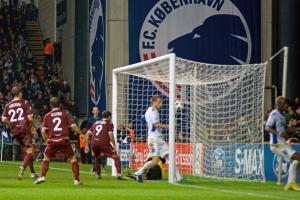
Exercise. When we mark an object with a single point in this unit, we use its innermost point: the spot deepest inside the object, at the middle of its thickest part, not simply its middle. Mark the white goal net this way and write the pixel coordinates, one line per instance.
(214, 114)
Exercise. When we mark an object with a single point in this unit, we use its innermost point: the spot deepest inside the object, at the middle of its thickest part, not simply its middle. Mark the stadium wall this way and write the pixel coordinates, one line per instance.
(64, 34)
(117, 39)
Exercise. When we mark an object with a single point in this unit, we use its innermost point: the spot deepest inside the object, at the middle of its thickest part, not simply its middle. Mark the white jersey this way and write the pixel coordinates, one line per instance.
(277, 121)
(152, 118)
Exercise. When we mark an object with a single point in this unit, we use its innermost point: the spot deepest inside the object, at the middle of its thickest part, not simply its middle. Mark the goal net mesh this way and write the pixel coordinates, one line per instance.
(218, 117)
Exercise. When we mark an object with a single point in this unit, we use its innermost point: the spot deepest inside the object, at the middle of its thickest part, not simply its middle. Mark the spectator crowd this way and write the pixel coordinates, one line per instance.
(19, 67)
(293, 119)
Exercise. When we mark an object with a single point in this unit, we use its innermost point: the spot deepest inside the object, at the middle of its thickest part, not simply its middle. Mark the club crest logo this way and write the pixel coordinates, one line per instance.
(285, 167)
(213, 31)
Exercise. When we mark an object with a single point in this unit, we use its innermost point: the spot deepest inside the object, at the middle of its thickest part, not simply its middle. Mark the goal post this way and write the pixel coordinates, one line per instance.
(214, 112)
(171, 59)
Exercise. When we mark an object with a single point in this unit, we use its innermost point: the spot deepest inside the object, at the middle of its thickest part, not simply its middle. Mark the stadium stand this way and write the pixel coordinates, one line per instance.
(18, 64)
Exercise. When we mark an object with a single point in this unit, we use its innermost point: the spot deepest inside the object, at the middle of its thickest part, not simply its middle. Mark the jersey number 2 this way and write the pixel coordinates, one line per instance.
(57, 121)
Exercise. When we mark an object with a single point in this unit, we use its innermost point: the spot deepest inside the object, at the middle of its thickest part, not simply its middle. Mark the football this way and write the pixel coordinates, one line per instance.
(178, 105)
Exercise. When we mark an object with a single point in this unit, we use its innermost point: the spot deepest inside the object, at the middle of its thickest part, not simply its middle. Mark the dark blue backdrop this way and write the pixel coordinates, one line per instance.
(214, 28)
(158, 27)
(97, 87)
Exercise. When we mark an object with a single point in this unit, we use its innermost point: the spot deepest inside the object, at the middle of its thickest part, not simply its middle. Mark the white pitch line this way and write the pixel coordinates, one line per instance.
(233, 192)
(53, 168)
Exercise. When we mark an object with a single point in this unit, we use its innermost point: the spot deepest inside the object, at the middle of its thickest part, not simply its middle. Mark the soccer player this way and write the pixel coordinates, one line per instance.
(277, 127)
(55, 131)
(103, 143)
(18, 116)
(157, 146)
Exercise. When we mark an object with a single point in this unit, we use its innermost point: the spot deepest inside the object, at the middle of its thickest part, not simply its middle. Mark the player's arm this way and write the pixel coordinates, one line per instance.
(28, 112)
(155, 121)
(159, 125)
(44, 134)
(5, 119)
(272, 130)
(112, 139)
(87, 139)
(76, 128)
(269, 127)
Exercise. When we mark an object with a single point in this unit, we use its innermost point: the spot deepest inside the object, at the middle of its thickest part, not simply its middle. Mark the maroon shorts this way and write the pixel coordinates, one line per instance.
(25, 140)
(63, 146)
(100, 149)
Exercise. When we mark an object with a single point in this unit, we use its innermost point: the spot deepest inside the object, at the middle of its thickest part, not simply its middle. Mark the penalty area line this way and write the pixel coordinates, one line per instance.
(232, 191)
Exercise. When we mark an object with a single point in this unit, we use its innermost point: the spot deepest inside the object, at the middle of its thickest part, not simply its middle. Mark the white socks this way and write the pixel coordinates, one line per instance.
(146, 166)
(178, 177)
(293, 171)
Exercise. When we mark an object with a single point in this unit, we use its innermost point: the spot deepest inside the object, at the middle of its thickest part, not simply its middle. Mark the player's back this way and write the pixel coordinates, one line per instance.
(100, 131)
(57, 122)
(16, 111)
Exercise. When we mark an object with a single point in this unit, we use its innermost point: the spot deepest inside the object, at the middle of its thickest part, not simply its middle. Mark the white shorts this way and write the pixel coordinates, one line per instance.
(157, 147)
(283, 150)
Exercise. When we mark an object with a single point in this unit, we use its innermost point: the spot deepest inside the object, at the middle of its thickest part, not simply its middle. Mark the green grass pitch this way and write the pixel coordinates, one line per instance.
(59, 185)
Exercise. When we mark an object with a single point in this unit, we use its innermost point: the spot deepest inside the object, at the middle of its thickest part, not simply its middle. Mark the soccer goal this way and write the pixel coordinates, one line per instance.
(214, 112)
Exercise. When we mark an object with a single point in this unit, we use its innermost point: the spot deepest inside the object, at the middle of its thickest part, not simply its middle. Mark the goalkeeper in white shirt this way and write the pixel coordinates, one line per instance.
(157, 146)
(277, 127)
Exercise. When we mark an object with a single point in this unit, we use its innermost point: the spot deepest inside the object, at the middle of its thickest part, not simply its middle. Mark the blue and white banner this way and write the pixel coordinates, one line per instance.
(212, 31)
(97, 87)
(254, 161)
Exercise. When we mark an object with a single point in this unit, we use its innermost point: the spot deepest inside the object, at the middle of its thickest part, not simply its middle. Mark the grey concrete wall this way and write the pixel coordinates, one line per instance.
(266, 27)
(116, 40)
(64, 34)
(46, 18)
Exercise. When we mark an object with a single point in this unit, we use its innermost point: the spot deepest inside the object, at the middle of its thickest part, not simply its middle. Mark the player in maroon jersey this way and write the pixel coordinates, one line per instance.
(55, 131)
(103, 143)
(17, 115)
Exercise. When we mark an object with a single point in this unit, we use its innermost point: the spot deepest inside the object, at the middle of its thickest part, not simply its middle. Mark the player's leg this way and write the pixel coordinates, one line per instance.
(109, 152)
(67, 149)
(118, 166)
(49, 152)
(164, 153)
(98, 167)
(96, 150)
(26, 142)
(287, 152)
(291, 183)
(33, 175)
(75, 170)
(44, 170)
(154, 151)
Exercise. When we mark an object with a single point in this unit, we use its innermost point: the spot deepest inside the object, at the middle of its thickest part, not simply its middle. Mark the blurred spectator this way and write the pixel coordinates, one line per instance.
(96, 117)
(49, 51)
(82, 143)
(295, 136)
(131, 132)
(31, 12)
(72, 108)
(66, 90)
